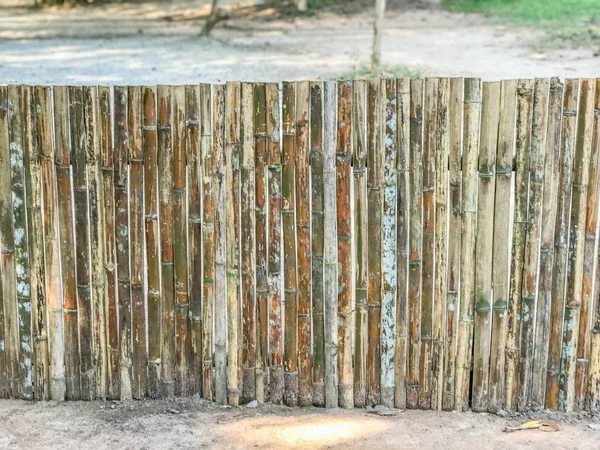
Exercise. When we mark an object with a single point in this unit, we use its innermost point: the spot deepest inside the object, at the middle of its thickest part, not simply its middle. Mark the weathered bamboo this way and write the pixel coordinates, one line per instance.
(180, 266)
(344, 234)
(16, 143)
(544, 299)
(139, 354)
(361, 245)
(530, 264)
(471, 121)
(330, 266)
(149, 143)
(248, 255)
(455, 109)
(63, 161)
(581, 165)
(260, 170)
(490, 102)
(428, 249)
(403, 196)
(561, 235)
(290, 355)
(232, 210)
(415, 242)
(6, 371)
(441, 241)
(500, 269)
(317, 228)
(375, 157)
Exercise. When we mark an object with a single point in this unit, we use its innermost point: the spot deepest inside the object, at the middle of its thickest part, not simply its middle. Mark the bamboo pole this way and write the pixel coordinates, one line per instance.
(276, 387)
(344, 233)
(561, 233)
(471, 121)
(361, 245)
(403, 197)
(317, 226)
(232, 210)
(455, 109)
(581, 164)
(260, 170)
(5, 369)
(63, 162)
(490, 102)
(330, 266)
(149, 143)
(500, 269)
(248, 261)
(375, 157)
(290, 356)
(534, 215)
(415, 242)
(441, 241)
(135, 123)
(544, 299)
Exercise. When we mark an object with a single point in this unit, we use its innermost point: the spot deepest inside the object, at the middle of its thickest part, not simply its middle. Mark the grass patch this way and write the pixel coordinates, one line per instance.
(364, 72)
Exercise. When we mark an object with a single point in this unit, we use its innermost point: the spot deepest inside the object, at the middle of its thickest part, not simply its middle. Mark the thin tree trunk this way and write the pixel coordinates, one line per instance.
(377, 25)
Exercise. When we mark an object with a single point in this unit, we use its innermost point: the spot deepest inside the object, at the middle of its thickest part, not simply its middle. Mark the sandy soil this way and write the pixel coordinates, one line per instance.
(133, 43)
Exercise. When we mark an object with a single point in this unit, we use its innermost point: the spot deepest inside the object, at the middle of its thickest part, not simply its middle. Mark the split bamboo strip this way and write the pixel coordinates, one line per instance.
(149, 143)
(455, 109)
(165, 205)
(544, 299)
(344, 234)
(232, 210)
(375, 157)
(317, 224)
(561, 236)
(330, 266)
(471, 121)
(248, 255)
(5, 370)
(63, 162)
(180, 263)
(501, 264)
(403, 196)
(135, 124)
(276, 387)
(361, 245)
(441, 241)
(260, 170)
(415, 242)
(530, 265)
(490, 102)
(581, 165)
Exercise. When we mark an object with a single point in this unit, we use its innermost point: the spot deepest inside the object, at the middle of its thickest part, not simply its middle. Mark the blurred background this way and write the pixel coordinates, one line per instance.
(188, 41)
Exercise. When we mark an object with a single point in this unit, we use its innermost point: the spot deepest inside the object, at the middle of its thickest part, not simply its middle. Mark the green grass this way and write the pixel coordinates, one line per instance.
(364, 72)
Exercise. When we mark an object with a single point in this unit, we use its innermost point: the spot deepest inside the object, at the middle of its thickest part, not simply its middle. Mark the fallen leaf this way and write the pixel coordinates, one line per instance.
(533, 425)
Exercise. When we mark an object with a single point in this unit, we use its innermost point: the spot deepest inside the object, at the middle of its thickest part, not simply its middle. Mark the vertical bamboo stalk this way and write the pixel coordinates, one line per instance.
(544, 299)
(135, 123)
(247, 204)
(260, 170)
(471, 121)
(5, 369)
(330, 266)
(415, 242)
(581, 164)
(561, 235)
(441, 241)
(16, 140)
(149, 143)
(534, 215)
(455, 109)
(317, 227)
(361, 245)
(290, 356)
(232, 209)
(180, 263)
(403, 171)
(500, 269)
(490, 102)
(274, 251)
